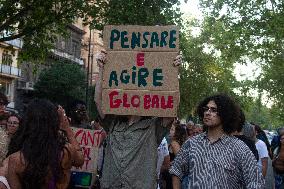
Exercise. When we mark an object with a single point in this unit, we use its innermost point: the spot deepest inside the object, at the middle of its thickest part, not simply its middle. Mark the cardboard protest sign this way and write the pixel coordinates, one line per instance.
(143, 103)
(157, 72)
(139, 77)
(89, 141)
(141, 38)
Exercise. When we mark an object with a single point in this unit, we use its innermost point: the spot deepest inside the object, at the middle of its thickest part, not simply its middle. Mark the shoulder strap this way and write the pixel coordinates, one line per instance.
(4, 181)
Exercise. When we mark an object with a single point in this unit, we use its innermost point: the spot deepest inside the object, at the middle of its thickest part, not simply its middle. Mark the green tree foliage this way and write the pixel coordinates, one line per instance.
(136, 12)
(39, 22)
(250, 29)
(61, 83)
(201, 74)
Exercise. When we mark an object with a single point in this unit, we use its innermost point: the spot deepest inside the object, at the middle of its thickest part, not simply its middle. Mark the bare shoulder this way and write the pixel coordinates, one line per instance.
(2, 186)
(16, 161)
(175, 144)
(16, 157)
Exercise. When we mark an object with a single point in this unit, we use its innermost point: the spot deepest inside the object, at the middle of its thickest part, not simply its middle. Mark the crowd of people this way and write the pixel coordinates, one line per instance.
(223, 150)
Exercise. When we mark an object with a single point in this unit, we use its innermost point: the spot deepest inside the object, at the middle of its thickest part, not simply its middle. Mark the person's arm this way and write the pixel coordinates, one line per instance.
(4, 167)
(251, 174)
(73, 146)
(176, 182)
(3, 174)
(180, 165)
(166, 163)
(175, 147)
(15, 169)
(263, 155)
(264, 163)
(101, 58)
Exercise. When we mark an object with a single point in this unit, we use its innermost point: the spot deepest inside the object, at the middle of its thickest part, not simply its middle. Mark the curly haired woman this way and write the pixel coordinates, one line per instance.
(39, 155)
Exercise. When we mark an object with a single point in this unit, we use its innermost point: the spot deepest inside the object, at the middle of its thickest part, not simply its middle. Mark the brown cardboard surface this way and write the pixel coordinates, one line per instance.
(125, 60)
(140, 110)
(89, 141)
(142, 29)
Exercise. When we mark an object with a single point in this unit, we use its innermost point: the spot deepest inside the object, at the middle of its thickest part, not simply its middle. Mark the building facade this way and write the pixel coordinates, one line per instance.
(91, 45)
(9, 70)
(79, 47)
(67, 49)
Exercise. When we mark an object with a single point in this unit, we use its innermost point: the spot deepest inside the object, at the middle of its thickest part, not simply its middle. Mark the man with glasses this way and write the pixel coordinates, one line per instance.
(79, 116)
(216, 159)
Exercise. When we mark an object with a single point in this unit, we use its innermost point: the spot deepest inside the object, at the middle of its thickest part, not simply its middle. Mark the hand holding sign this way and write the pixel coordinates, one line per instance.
(178, 60)
(101, 58)
(140, 77)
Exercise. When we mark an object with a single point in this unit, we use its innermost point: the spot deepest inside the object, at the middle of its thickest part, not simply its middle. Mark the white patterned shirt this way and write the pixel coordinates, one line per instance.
(225, 164)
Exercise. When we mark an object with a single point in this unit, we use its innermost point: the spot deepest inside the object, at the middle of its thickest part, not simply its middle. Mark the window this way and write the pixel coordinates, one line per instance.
(7, 59)
(63, 44)
(75, 48)
(5, 88)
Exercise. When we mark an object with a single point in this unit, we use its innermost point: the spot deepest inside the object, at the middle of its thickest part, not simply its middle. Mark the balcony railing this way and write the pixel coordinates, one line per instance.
(16, 43)
(67, 56)
(10, 70)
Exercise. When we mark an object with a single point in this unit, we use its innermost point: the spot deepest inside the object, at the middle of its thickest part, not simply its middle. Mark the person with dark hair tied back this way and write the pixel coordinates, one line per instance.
(40, 156)
(260, 134)
(248, 141)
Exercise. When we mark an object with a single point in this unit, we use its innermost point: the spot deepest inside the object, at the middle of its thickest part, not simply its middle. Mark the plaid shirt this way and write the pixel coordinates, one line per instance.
(131, 153)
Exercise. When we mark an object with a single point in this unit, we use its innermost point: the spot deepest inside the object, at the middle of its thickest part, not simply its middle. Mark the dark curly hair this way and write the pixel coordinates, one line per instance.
(261, 135)
(228, 111)
(4, 99)
(180, 133)
(13, 114)
(39, 141)
(242, 121)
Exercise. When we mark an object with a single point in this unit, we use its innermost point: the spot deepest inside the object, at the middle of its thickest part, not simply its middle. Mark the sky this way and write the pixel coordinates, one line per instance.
(190, 8)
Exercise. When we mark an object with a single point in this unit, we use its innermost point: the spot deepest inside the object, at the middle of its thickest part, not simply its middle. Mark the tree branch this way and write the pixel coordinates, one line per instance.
(13, 19)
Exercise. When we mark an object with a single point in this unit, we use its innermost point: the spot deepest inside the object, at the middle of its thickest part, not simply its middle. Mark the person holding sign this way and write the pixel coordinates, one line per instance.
(131, 144)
